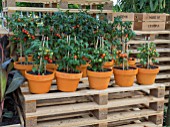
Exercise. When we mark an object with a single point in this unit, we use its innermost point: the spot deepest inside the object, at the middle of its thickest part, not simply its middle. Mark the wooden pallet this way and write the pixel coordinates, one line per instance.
(87, 107)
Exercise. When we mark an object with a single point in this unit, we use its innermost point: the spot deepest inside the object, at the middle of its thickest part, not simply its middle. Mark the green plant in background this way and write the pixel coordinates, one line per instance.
(143, 6)
(9, 80)
(147, 54)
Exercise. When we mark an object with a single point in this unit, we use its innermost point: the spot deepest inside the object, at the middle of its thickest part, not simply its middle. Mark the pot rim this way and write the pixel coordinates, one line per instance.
(99, 74)
(39, 77)
(63, 75)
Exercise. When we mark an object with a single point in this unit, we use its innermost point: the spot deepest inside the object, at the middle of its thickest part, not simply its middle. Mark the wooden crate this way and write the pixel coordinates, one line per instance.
(150, 17)
(148, 26)
(87, 107)
(167, 27)
(124, 16)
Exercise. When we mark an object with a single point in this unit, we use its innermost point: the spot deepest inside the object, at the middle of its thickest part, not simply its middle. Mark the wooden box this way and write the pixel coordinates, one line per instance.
(148, 26)
(124, 16)
(150, 17)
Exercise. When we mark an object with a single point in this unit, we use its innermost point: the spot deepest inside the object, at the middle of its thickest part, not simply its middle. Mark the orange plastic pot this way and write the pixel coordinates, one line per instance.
(108, 65)
(39, 84)
(23, 59)
(67, 82)
(132, 63)
(22, 67)
(51, 66)
(125, 78)
(147, 76)
(83, 69)
(99, 80)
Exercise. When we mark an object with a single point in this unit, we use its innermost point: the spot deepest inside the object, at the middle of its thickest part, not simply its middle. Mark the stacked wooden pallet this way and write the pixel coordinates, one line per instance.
(115, 107)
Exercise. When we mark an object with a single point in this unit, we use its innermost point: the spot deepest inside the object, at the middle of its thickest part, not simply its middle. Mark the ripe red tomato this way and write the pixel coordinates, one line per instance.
(75, 57)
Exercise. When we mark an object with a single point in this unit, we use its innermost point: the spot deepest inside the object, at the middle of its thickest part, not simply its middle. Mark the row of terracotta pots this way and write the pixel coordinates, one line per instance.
(97, 80)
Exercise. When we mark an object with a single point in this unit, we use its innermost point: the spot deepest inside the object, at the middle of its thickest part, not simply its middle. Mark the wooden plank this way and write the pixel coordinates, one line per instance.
(91, 121)
(3, 31)
(157, 41)
(16, 125)
(56, 110)
(124, 16)
(87, 92)
(36, 9)
(152, 32)
(148, 26)
(160, 50)
(163, 76)
(142, 124)
(150, 17)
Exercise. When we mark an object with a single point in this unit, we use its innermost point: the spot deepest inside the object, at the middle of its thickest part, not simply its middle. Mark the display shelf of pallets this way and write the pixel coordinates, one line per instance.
(162, 41)
(115, 106)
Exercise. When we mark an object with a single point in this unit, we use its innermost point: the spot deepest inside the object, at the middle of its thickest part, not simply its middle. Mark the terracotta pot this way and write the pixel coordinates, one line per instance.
(51, 66)
(39, 83)
(67, 82)
(132, 63)
(23, 59)
(83, 69)
(125, 78)
(147, 76)
(99, 80)
(108, 65)
(22, 67)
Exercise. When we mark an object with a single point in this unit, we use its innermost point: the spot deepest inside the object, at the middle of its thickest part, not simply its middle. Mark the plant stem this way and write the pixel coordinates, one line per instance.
(2, 50)
(123, 57)
(20, 52)
(127, 51)
(148, 56)
(97, 42)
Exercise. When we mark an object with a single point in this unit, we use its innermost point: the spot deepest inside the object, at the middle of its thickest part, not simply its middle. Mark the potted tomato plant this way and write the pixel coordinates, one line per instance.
(124, 74)
(39, 78)
(67, 75)
(98, 76)
(147, 70)
(23, 29)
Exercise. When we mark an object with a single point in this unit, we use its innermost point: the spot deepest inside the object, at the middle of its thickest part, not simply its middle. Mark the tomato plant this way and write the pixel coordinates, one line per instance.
(42, 54)
(23, 28)
(123, 33)
(147, 54)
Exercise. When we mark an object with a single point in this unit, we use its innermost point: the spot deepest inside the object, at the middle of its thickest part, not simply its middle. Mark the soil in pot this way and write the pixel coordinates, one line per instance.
(67, 81)
(125, 78)
(39, 84)
(147, 76)
(22, 67)
(109, 64)
(99, 80)
(83, 69)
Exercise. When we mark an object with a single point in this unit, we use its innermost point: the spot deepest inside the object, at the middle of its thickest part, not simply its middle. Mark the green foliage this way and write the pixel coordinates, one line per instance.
(42, 53)
(155, 6)
(147, 54)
